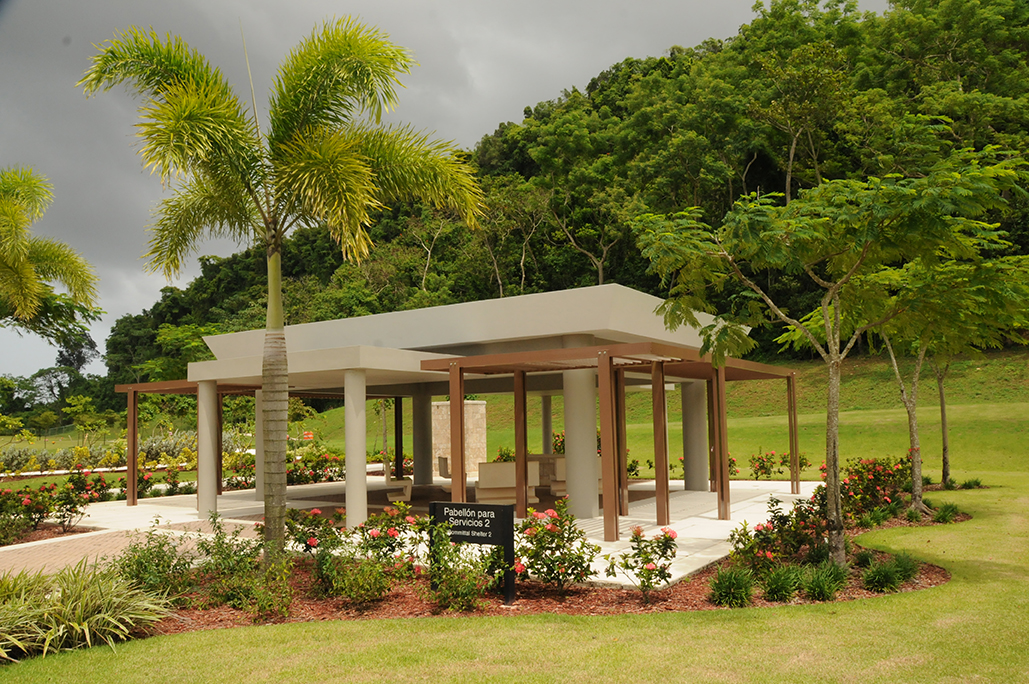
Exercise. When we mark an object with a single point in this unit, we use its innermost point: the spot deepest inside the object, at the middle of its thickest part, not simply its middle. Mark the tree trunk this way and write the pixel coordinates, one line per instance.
(910, 401)
(941, 373)
(275, 388)
(834, 505)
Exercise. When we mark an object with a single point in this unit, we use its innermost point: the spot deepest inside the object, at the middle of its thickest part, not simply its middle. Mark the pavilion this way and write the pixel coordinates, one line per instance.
(585, 344)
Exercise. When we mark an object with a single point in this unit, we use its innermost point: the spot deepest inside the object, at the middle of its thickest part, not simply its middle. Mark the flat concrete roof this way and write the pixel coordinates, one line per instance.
(603, 314)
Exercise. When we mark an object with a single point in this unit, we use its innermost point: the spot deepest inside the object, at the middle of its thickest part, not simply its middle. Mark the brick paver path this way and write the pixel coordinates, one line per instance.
(54, 554)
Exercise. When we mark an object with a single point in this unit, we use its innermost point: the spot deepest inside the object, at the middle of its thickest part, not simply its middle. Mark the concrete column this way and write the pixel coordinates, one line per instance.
(421, 419)
(207, 448)
(548, 424)
(695, 452)
(259, 445)
(355, 437)
(580, 407)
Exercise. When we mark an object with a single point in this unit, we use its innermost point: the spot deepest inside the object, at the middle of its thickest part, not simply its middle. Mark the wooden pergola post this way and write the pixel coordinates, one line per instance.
(132, 448)
(723, 445)
(398, 437)
(657, 380)
(712, 435)
(791, 401)
(623, 451)
(605, 382)
(458, 477)
(521, 446)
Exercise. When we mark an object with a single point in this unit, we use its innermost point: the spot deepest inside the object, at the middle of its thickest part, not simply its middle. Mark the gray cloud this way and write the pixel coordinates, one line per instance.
(481, 63)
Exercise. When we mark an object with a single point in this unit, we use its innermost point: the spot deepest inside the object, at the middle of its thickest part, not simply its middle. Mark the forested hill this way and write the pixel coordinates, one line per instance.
(804, 93)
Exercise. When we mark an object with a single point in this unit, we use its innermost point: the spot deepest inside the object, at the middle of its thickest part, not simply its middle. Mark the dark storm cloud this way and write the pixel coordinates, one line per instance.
(481, 63)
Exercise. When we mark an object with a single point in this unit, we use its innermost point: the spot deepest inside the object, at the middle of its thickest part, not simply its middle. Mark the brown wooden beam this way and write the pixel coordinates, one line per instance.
(132, 449)
(660, 414)
(607, 445)
(723, 444)
(458, 477)
(623, 451)
(521, 446)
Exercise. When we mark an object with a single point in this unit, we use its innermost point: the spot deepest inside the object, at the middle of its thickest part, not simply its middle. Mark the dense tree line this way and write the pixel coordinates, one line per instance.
(806, 92)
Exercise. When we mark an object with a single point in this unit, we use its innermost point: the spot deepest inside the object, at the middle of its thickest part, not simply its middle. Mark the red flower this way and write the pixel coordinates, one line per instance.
(373, 533)
(393, 532)
(26, 501)
(538, 515)
(551, 527)
(315, 511)
(551, 512)
(312, 542)
(410, 519)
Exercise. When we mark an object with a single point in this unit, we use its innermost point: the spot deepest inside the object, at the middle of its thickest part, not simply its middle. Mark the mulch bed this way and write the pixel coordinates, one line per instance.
(409, 599)
(49, 531)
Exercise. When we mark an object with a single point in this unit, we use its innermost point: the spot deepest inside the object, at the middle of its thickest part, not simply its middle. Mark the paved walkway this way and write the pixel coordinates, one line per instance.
(701, 536)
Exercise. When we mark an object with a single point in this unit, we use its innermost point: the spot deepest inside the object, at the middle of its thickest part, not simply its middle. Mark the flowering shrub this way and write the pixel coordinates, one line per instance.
(553, 549)
(871, 483)
(459, 574)
(767, 465)
(314, 466)
(559, 442)
(504, 455)
(647, 561)
(310, 531)
(757, 549)
(392, 536)
(243, 477)
(786, 536)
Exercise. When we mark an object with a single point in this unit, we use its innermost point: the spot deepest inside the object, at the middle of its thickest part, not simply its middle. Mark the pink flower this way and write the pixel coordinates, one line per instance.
(410, 519)
(146, 476)
(551, 512)
(531, 531)
(759, 527)
(768, 555)
(551, 527)
(670, 532)
(650, 566)
(519, 568)
(312, 542)
(373, 533)
(316, 511)
(26, 501)
(887, 499)
(538, 515)
(393, 532)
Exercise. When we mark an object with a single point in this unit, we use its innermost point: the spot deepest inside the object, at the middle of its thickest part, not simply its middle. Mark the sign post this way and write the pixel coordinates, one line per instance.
(489, 524)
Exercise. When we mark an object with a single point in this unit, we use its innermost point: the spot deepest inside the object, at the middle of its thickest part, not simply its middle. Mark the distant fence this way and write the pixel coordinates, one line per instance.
(59, 430)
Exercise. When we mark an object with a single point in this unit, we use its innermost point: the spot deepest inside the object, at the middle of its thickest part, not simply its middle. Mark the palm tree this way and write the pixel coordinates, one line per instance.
(30, 266)
(325, 159)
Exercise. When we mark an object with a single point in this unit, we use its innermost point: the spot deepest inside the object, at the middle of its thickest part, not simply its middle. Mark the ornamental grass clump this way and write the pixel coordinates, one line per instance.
(646, 564)
(881, 577)
(782, 582)
(77, 607)
(907, 567)
(824, 581)
(553, 549)
(946, 513)
(732, 586)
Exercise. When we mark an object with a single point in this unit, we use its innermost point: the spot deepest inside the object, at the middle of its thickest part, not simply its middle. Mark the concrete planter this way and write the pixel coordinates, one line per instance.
(496, 483)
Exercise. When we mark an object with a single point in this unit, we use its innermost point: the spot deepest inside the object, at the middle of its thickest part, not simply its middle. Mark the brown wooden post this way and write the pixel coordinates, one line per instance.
(623, 451)
(521, 446)
(132, 449)
(657, 391)
(723, 447)
(607, 445)
(791, 407)
(458, 478)
(218, 443)
(712, 435)
(398, 437)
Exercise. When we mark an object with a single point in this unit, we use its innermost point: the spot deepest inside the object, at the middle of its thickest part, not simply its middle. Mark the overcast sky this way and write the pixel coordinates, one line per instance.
(481, 63)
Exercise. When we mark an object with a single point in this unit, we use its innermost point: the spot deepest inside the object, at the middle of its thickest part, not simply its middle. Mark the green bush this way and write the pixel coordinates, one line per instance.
(824, 581)
(459, 576)
(881, 577)
(79, 606)
(950, 484)
(156, 564)
(732, 586)
(913, 515)
(782, 583)
(946, 513)
(273, 592)
(359, 580)
(646, 564)
(224, 554)
(973, 483)
(907, 567)
(864, 558)
(12, 528)
(553, 549)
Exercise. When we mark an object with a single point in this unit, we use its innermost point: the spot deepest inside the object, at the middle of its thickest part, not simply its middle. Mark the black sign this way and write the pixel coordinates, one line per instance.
(490, 524)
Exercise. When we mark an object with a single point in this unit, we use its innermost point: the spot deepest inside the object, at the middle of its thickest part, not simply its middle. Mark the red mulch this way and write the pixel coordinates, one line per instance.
(408, 600)
(49, 531)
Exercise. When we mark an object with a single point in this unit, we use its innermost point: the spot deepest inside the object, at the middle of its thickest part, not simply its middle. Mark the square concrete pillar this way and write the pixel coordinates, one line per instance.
(355, 438)
(580, 407)
(207, 448)
(695, 450)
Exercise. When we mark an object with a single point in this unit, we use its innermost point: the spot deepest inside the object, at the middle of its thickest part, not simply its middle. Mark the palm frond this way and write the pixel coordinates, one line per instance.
(31, 191)
(324, 176)
(198, 209)
(342, 69)
(56, 262)
(407, 164)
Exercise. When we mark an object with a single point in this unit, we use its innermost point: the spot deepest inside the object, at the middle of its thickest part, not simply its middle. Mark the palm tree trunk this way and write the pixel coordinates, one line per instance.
(275, 387)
